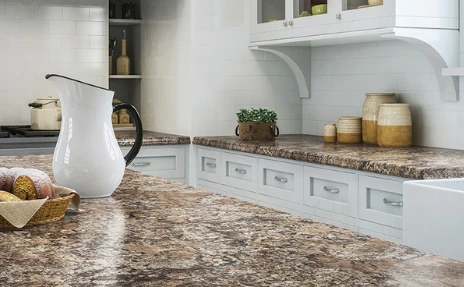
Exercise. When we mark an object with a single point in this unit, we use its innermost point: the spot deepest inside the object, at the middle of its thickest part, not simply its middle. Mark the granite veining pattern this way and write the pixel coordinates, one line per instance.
(413, 162)
(153, 232)
(127, 138)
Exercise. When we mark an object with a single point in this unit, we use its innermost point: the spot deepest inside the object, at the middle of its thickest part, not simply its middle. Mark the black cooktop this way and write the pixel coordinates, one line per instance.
(28, 132)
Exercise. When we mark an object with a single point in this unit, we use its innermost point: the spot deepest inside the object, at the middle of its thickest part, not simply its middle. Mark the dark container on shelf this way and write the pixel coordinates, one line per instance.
(112, 10)
(128, 11)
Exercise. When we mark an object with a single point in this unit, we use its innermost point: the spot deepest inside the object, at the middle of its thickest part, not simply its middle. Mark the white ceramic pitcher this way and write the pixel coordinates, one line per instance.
(87, 156)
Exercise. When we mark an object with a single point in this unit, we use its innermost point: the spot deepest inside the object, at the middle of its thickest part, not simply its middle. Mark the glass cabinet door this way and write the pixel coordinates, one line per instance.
(313, 12)
(271, 15)
(355, 10)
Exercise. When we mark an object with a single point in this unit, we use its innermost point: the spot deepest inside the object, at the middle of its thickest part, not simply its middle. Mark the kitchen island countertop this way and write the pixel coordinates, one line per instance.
(413, 162)
(153, 232)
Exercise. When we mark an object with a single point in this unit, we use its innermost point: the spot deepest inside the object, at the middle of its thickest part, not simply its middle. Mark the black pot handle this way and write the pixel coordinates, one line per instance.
(278, 132)
(236, 131)
(138, 129)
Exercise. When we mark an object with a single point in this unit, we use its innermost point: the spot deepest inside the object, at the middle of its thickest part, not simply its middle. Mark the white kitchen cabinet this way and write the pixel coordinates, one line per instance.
(209, 165)
(280, 19)
(280, 180)
(239, 172)
(359, 201)
(381, 205)
(164, 161)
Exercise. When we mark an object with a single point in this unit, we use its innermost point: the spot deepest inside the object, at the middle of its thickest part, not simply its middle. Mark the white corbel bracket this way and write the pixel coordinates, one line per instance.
(441, 47)
(299, 61)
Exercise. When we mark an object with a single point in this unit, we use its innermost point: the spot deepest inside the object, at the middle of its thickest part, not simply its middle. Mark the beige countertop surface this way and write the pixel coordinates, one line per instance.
(412, 163)
(153, 232)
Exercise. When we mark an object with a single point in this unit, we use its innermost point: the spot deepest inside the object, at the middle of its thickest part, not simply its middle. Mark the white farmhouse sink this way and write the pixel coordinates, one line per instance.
(433, 216)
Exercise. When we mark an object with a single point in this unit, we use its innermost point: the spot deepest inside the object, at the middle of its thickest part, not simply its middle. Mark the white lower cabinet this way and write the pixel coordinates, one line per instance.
(163, 161)
(359, 201)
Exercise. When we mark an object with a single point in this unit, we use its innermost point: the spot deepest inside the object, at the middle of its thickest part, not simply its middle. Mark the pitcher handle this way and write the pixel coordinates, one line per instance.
(138, 129)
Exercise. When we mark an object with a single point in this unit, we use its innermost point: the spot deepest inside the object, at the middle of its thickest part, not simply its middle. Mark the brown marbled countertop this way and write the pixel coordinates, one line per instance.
(127, 138)
(413, 162)
(153, 232)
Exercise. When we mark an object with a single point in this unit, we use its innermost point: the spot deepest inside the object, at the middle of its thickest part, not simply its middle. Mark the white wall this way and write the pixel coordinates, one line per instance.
(204, 70)
(341, 75)
(48, 36)
(166, 85)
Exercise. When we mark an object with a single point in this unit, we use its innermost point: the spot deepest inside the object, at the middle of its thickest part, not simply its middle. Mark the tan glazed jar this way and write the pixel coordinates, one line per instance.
(370, 115)
(330, 133)
(394, 127)
(349, 130)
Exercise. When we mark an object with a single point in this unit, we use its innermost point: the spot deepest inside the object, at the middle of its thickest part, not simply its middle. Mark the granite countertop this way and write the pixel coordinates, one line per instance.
(153, 232)
(127, 138)
(413, 162)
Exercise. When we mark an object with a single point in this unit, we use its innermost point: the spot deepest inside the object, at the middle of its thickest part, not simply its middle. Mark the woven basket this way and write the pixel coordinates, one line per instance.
(52, 210)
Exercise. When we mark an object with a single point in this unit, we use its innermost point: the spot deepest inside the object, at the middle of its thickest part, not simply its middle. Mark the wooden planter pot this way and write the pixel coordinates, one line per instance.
(251, 131)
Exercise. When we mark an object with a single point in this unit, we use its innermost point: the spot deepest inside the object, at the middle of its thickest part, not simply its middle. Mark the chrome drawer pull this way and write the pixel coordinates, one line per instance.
(386, 201)
(211, 164)
(281, 179)
(141, 163)
(241, 171)
(331, 190)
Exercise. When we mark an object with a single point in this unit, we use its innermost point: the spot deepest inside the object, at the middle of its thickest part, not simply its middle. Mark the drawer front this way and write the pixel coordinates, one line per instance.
(330, 190)
(381, 201)
(239, 171)
(162, 162)
(209, 165)
(281, 180)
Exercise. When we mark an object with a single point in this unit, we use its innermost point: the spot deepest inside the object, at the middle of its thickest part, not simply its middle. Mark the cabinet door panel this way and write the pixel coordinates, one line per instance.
(381, 201)
(269, 15)
(280, 180)
(239, 171)
(209, 165)
(330, 190)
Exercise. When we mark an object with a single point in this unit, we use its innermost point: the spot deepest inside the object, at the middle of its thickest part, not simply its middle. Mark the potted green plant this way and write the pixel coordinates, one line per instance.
(257, 125)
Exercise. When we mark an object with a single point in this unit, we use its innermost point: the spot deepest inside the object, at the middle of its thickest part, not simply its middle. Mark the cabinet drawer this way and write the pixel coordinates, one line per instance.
(330, 190)
(381, 201)
(162, 162)
(209, 165)
(281, 180)
(239, 171)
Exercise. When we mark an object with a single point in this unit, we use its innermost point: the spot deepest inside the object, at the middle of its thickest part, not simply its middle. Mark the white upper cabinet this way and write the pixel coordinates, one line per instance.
(284, 19)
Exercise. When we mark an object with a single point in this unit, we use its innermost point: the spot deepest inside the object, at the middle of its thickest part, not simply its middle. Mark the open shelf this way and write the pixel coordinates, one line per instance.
(125, 77)
(124, 22)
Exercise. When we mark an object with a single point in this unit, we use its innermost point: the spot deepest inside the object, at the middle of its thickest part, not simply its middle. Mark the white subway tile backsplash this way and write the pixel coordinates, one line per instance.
(76, 13)
(76, 41)
(62, 27)
(98, 14)
(98, 42)
(48, 12)
(90, 28)
(33, 26)
(19, 11)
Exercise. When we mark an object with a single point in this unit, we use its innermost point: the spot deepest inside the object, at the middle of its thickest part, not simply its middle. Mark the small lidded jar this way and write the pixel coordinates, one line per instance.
(330, 133)
(349, 130)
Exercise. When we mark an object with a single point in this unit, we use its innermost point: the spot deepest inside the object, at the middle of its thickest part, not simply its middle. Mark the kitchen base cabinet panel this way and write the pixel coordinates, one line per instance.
(163, 161)
(351, 199)
(330, 190)
(280, 180)
(239, 171)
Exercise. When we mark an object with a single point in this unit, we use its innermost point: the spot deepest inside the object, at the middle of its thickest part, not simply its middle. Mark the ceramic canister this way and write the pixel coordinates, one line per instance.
(394, 126)
(349, 130)
(370, 114)
(330, 133)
